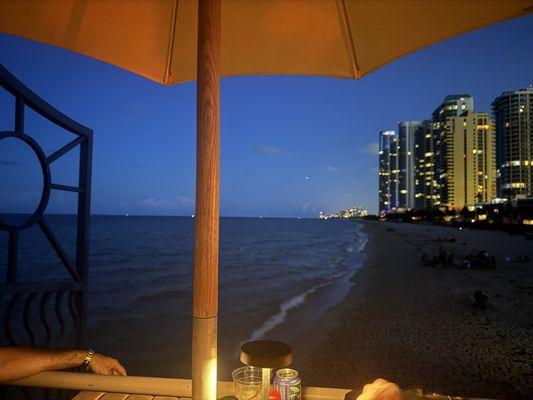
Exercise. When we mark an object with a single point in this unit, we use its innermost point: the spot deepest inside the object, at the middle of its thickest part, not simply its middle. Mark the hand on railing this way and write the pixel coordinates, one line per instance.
(21, 362)
(103, 365)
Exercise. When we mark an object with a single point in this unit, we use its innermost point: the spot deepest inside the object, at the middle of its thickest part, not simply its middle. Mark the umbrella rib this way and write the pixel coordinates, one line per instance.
(348, 32)
(170, 52)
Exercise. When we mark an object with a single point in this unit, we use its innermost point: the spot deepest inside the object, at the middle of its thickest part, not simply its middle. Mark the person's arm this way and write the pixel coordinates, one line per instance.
(20, 362)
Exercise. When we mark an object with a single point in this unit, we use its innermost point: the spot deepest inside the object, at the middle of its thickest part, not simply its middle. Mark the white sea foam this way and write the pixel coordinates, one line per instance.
(363, 237)
(285, 307)
(298, 300)
(362, 246)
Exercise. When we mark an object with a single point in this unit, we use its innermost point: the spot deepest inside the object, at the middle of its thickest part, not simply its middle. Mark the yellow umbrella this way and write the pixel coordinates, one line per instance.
(173, 41)
(340, 38)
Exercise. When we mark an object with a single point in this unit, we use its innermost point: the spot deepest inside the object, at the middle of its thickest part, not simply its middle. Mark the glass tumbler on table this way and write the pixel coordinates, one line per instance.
(248, 383)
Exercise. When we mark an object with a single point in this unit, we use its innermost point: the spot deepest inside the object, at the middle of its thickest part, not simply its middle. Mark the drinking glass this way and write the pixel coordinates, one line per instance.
(248, 383)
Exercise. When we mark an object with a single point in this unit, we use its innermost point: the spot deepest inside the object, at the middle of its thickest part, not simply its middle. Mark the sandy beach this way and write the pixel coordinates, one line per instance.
(418, 326)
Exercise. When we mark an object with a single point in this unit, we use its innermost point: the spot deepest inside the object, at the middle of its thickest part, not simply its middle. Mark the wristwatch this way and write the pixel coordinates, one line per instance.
(87, 360)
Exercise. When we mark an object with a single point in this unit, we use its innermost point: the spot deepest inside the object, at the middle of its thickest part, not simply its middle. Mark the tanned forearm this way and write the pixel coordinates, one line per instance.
(19, 362)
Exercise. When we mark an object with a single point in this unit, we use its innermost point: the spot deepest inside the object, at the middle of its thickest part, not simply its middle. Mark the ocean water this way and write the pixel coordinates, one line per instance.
(140, 284)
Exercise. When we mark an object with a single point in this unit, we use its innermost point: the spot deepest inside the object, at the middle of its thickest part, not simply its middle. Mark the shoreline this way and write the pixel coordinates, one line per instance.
(310, 318)
(308, 341)
(317, 304)
(417, 326)
(320, 311)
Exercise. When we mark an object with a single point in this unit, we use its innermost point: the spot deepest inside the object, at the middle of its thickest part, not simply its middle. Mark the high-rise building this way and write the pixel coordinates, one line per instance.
(452, 106)
(406, 164)
(470, 161)
(388, 175)
(513, 114)
(394, 179)
(424, 177)
(449, 161)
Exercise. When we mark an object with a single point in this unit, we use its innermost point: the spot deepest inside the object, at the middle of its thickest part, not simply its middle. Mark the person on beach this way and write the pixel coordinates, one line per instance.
(21, 362)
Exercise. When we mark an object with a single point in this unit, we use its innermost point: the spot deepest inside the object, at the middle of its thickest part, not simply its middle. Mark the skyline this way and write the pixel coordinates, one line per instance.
(291, 146)
(447, 161)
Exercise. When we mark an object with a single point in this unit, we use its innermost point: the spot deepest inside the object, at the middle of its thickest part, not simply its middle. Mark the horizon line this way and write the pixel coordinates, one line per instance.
(166, 215)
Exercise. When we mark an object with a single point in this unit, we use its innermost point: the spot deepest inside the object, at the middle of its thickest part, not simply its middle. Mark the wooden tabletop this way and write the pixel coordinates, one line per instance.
(121, 396)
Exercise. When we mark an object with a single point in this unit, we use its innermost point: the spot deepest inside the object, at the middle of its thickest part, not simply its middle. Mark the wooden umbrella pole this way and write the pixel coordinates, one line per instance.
(205, 288)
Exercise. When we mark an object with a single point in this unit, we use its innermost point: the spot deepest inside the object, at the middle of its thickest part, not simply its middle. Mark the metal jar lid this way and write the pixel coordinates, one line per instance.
(266, 354)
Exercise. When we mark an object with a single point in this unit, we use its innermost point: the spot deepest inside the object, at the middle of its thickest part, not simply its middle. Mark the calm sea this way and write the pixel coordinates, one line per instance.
(141, 279)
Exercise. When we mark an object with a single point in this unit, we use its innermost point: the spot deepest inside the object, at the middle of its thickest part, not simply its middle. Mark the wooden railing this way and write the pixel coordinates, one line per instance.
(147, 386)
(181, 388)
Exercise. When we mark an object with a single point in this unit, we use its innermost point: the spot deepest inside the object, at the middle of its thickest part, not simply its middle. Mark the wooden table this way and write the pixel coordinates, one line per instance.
(121, 396)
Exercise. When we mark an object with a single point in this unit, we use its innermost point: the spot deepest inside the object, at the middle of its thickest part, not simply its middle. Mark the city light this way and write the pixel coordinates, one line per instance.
(449, 162)
(354, 212)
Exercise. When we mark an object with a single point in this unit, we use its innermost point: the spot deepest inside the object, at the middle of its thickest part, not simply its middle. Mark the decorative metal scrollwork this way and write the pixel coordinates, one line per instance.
(42, 313)
(45, 168)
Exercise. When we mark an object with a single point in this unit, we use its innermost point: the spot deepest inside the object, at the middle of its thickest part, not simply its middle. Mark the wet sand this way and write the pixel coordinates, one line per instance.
(417, 326)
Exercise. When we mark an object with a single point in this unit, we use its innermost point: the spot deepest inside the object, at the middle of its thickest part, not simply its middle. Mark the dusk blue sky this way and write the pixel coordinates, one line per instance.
(275, 131)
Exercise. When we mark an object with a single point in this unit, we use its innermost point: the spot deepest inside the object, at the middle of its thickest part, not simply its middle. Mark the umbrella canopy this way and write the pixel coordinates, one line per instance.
(173, 41)
(338, 38)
